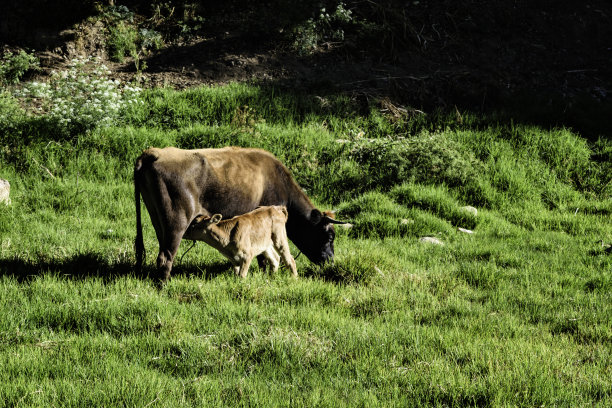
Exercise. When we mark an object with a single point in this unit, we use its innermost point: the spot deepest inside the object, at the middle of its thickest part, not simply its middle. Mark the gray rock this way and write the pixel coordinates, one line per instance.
(470, 209)
(431, 240)
(5, 191)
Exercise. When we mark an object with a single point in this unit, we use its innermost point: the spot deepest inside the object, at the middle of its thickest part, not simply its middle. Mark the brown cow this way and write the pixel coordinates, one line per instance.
(177, 185)
(241, 238)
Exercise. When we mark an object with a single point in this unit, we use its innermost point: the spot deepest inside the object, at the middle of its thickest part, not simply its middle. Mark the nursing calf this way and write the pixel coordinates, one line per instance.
(176, 185)
(241, 238)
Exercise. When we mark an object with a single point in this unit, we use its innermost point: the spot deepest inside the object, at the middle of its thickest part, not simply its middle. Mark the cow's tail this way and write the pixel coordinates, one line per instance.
(139, 242)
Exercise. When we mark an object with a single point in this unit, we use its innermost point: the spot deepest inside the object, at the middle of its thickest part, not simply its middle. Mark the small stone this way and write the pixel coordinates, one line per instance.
(5, 191)
(466, 231)
(470, 209)
(431, 240)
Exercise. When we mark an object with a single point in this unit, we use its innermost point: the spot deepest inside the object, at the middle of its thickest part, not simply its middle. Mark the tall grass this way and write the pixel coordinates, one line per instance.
(517, 313)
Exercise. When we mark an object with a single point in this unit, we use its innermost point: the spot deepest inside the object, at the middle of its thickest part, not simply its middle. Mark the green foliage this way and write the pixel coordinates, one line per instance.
(122, 41)
(14, 66)
(424, 158)
(150, 39)
(10, 111)
(324, 28)
(126, 38)
(118, 13)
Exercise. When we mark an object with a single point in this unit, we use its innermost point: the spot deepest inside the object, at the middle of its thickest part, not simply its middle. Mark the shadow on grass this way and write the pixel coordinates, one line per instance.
(92, 265)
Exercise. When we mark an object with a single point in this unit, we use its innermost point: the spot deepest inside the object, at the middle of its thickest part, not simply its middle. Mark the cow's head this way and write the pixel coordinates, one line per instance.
(315, 237)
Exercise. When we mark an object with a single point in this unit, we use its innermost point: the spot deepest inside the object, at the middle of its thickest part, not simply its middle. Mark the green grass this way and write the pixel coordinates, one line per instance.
(516, 314)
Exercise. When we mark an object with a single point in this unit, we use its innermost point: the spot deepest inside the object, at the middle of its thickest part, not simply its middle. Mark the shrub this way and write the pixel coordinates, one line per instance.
(125, 39)
(325, 27)
(122, 41)
(430, 158)
(14, 66)
(9, 110)
(150, 39)
(81, 98)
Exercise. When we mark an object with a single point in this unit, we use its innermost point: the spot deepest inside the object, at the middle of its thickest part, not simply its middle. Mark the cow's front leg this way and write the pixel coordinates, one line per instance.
(262, 262)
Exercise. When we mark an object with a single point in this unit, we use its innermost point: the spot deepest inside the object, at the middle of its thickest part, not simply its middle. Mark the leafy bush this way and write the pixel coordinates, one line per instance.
(126, 38)
(119, 13)
(9, 110)
(14, 66)
(81, 98)
(430, 158)
(150, 39)
(326, 27)
(122, 41)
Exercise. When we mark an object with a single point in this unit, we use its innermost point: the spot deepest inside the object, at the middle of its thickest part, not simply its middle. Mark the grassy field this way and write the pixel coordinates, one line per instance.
(519, 313)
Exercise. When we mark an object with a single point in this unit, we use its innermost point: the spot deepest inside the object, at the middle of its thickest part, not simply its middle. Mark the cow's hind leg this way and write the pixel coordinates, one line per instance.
(167, 252)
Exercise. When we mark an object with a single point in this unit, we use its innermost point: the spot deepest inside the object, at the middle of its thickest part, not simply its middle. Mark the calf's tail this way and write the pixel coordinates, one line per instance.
(138, 243)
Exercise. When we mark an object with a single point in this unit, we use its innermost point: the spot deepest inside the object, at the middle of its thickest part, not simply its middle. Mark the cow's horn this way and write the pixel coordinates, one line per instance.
(333, 221)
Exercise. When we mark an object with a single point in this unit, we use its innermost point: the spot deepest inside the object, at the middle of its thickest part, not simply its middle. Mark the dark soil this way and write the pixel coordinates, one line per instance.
(531, 56)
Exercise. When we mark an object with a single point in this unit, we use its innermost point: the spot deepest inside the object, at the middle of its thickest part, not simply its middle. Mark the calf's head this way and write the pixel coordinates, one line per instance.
(201, 223)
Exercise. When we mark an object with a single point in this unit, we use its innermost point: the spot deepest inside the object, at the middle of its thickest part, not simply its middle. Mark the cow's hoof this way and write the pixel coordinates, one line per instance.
(161, 282)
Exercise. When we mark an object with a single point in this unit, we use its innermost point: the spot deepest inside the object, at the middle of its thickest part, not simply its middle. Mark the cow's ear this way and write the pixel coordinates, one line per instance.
(329, 214)
(215, 218)
(329, 217)
(315, 216)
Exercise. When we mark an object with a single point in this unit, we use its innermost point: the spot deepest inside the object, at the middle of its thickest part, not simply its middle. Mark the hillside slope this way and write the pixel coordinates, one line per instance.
(477, 55)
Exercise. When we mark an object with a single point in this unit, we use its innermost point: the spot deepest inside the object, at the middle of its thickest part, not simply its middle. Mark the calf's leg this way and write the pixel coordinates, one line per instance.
(243, 268)
(285, 254)
(272, 256)
(281, 244)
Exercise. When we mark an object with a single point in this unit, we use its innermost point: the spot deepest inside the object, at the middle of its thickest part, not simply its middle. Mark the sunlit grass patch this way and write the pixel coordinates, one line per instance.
(515, 313)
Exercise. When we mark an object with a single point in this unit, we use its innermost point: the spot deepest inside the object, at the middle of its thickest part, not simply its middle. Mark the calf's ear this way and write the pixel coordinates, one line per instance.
(215, 218)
